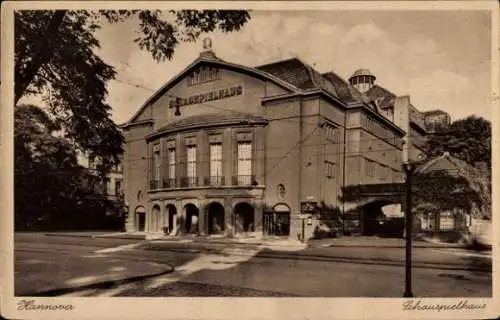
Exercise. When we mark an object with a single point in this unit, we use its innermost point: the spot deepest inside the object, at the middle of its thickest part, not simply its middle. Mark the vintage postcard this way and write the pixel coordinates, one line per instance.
(249, 160)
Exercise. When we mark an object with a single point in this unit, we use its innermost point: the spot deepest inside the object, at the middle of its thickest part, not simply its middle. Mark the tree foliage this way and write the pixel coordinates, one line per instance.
(51, 188)
(468, 139)
(55, 58)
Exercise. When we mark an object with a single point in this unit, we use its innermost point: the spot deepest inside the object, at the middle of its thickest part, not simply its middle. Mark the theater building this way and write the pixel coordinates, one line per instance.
(226, 149)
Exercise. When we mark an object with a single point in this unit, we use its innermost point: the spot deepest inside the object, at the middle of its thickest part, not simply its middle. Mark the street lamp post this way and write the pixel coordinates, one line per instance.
(409, 169)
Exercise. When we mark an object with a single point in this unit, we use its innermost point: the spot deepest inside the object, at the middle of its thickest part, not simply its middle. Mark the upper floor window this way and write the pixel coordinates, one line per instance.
(330, 168)
(191, 161)
(157, 165)
(202, 75)
(369, 168)
(118, 187)
(244, 166)
(171, 163)
(332, 133)
(215, 160)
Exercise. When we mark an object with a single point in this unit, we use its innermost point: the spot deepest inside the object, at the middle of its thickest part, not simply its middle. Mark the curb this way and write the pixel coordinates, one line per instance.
(431, 245)
(69, 235)
(101, 236)
(99, 285)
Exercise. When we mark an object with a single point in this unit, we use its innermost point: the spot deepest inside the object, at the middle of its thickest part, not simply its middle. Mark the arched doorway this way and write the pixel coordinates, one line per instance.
(244, 218)
(215, 218)
(381, 217)
(140, 219)
(281, 219)
(191, 224)
(155, 217)
(170, 219)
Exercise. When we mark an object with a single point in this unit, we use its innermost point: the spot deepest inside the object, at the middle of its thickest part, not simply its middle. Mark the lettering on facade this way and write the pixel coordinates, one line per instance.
(208, 96)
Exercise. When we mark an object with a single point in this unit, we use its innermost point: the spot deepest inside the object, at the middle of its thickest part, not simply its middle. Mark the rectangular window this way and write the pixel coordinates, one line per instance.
(203, 75)
(446, 221)
(191, 165)
(330, 169)
(118, 187)
(106, 186)
(171, 164)
(369, 168)
(157, 167)
(244, 162)
(215, 163)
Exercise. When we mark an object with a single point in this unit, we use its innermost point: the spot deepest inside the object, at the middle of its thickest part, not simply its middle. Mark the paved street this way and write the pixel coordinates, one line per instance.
(240, 270)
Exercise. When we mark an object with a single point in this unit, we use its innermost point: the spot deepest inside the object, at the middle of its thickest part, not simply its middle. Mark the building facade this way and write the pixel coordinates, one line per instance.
(436, 119)
(235, 150)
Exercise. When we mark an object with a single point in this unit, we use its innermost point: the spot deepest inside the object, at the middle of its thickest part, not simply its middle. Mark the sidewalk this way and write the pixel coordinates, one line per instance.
(46, 274)
(366, 241)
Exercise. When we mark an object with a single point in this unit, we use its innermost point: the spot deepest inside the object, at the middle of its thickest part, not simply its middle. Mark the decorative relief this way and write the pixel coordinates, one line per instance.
(171, 144)
(244, 136)
(190, 141)
(215, 138)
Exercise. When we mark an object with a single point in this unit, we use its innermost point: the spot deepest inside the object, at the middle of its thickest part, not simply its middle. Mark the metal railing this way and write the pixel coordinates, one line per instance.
(214, 181)
(189, 182)
(169, 183)
(154, 184)
(186, 182)
(244, 180)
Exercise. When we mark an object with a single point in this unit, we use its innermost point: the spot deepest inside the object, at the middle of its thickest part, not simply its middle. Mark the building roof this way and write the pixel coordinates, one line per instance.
(209, 120)
(434, 112)
(384, 97)
(344, 89)
(210, 58)
(362, 72)
(478, 180)
(299, 74)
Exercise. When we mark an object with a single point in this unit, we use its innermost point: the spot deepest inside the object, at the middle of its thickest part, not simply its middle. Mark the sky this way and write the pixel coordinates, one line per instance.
(442, 59)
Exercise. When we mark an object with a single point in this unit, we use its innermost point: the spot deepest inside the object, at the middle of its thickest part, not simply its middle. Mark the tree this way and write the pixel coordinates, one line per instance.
(51, 188)
(55, 58)
(468, 139)
(46, 174)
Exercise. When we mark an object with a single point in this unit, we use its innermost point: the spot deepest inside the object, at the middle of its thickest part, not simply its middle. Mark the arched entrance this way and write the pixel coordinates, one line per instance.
(170, 219)
(282, 219)
(380, 217)
(277, 221)
(191, 214)
(244, 218)
(140, 219)
(215, 218)
(155, 217)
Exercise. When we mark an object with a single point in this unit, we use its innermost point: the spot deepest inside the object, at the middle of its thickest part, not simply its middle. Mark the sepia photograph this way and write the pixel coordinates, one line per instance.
(249, 150)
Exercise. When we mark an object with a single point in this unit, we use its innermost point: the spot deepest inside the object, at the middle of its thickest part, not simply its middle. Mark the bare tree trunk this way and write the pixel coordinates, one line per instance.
(24, 77)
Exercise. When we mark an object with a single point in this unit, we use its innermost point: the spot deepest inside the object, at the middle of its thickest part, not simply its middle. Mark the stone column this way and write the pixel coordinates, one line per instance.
(258, 215)
(202, 217)
(228, 216)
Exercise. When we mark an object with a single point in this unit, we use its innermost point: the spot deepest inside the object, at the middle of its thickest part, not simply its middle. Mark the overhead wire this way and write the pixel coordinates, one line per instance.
(287, 154)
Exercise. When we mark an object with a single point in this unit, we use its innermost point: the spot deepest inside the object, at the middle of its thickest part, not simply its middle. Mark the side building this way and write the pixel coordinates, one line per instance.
(436, 119)
(228, 149)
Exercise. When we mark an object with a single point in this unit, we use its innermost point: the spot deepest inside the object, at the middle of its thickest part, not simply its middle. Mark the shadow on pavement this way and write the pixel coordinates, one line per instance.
(243, 270)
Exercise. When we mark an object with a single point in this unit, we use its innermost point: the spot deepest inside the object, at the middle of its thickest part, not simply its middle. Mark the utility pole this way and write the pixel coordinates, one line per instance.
(409, 169)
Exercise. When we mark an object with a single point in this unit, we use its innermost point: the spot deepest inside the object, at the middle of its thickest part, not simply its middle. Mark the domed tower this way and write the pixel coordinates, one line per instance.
(362, 80)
